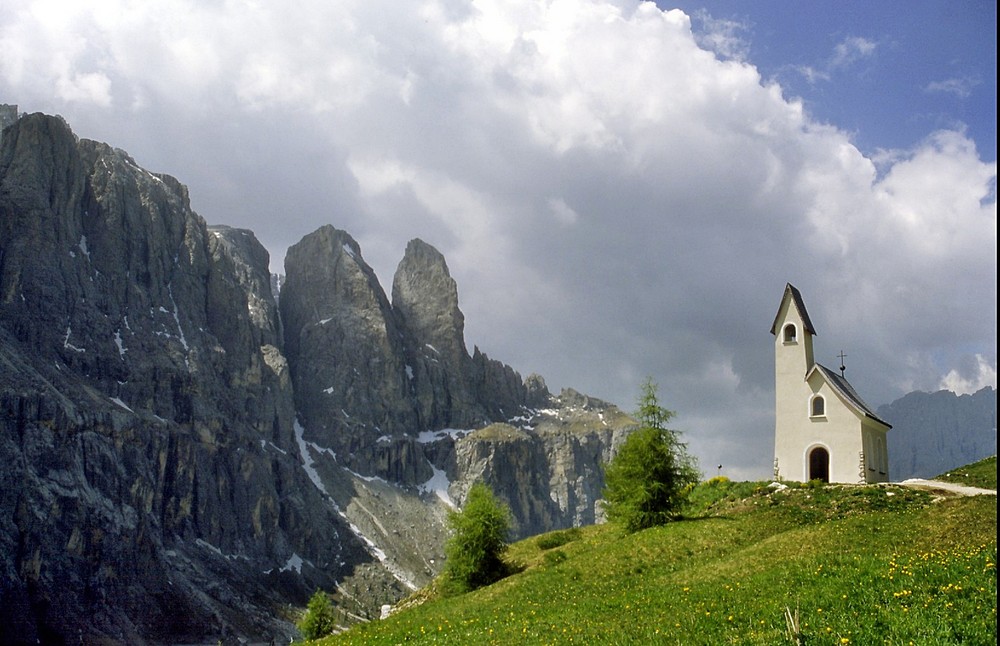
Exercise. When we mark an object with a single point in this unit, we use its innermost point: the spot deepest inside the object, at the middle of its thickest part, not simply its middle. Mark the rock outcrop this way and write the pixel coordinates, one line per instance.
(182, 463)
(425, 298)
(370, 376)
(453, 389)
(558, 451)
(344, 346)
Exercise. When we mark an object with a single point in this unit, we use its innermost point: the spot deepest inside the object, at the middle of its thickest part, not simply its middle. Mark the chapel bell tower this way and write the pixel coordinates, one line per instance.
(823, 429)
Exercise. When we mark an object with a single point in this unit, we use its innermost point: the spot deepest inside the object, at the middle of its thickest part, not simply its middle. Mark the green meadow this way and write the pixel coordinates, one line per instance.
(978, 474)
(747, 564)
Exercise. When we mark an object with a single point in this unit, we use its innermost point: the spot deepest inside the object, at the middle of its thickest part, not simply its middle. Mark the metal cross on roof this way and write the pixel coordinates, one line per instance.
(842, 356)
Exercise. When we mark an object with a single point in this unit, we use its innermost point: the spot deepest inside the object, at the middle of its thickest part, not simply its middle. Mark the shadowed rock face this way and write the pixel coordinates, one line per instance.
(425, 298)
(370, 375)
(452, 388)
(935, 432)
(344, 345)
(151, 487)
(375, 380)
(180, 463)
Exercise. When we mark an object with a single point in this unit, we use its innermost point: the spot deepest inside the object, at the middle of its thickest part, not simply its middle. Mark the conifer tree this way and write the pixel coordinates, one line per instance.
(475, 550)
(318, 619)
(648, 479)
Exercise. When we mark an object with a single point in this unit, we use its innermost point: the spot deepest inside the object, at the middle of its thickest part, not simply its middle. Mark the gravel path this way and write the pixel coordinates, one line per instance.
(961, 490)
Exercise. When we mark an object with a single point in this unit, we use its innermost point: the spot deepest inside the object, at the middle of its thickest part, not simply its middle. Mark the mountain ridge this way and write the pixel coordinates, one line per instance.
(935, 432)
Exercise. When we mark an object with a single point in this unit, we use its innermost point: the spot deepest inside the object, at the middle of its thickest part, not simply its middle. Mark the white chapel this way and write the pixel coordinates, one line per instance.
(823, 430)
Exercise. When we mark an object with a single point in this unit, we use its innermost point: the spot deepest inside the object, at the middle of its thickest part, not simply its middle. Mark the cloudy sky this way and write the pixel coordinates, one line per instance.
(621, 189)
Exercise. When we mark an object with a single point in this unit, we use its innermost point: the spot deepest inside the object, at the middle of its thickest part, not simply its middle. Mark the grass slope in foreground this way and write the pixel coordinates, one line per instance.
(751, 565)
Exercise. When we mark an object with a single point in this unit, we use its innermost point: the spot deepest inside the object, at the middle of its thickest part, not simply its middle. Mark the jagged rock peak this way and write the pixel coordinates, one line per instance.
(538, 392)
(343, 343)
(426, 297)
(329, 241)
(238, 254)
(425, 301)
(364, 369)
(325, 279)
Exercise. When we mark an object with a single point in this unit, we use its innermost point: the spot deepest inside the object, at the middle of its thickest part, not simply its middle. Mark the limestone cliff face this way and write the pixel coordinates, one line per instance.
(425, 297)
(548, 468)
(151, 483)
(453, 389)
(344, 346)
(389, 391)
(370, 376)
(935, 432)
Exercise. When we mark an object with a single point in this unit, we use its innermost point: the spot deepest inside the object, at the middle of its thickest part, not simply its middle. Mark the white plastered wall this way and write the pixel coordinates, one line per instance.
(791, 392)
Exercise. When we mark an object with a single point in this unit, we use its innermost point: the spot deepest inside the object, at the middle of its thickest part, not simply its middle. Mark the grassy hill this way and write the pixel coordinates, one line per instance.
(978, 474)
(748, 565)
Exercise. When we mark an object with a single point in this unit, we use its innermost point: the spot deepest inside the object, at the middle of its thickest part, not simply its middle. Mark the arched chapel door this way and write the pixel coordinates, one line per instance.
(819, 464)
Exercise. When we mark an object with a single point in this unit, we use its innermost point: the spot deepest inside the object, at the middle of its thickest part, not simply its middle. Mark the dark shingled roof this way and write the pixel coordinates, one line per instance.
(799, 305)
(846, 390)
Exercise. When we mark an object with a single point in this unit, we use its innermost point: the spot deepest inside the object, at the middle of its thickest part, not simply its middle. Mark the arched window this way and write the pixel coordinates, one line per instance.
(818, 406)
(790, 333)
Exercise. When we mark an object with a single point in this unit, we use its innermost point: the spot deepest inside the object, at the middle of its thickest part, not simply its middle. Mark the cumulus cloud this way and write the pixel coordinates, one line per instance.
(92, 87)
(727, 38)
(846, 54)
(617, 196)
(972, 378)
(852, 49)
(961, 87)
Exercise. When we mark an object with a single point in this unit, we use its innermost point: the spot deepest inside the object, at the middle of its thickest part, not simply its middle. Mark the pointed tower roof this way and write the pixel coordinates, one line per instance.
(792, 293)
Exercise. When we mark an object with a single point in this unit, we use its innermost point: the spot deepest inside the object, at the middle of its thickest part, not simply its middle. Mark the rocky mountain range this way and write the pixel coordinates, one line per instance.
(934, 432)
(186, 461)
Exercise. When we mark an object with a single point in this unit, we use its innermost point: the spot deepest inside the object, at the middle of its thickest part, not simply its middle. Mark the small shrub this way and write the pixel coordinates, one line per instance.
(318, 619)
(554, 557)
(557, 539)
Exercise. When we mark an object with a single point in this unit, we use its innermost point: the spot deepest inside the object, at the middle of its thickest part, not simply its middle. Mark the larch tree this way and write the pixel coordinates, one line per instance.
(650, 476)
